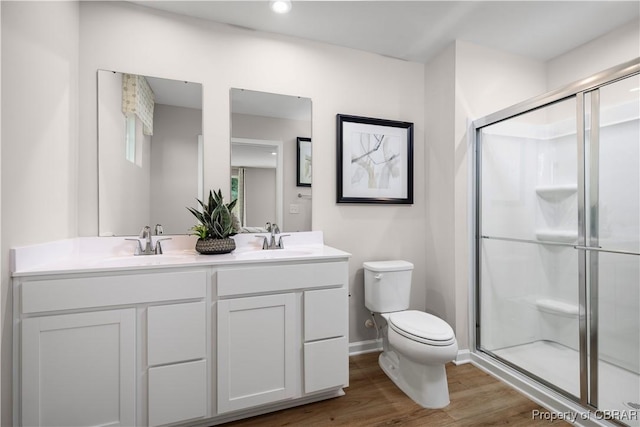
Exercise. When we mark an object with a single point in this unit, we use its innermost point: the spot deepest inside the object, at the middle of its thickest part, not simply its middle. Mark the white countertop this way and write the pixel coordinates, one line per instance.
(100, 254)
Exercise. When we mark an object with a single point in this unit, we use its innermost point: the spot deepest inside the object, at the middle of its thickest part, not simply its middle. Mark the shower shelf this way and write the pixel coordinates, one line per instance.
(556, 191)
(558, 307)
(557, 236)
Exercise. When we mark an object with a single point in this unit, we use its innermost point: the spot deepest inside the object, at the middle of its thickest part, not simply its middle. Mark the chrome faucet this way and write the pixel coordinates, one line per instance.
(275, 230)
(145, 234)
(270, 242)
(149, 249)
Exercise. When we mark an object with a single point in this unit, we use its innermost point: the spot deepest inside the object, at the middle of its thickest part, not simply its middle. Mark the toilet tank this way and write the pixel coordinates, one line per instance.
(387, 285)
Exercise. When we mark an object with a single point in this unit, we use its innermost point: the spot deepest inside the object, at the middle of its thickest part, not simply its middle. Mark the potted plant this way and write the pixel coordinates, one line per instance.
(215, 225)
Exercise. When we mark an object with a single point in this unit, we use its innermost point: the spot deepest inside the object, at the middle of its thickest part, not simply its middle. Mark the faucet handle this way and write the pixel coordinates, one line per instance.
(158, 249)
(265, 242)
(158, 229)
(280, 242)
(275, 229)
(145, 232)
(139, 249)
(267, 226)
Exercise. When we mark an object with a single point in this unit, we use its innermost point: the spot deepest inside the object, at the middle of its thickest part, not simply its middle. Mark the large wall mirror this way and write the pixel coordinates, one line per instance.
(150, 154)
(266, 131)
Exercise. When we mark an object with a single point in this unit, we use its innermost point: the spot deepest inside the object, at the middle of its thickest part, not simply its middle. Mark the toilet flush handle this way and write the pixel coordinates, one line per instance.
(378, 276)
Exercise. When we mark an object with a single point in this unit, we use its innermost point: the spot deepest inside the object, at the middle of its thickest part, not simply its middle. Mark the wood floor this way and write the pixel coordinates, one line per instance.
(477, 399)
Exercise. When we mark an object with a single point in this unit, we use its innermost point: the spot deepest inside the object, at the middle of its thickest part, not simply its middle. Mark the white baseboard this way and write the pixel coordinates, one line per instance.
(463, 356)
(362, 347)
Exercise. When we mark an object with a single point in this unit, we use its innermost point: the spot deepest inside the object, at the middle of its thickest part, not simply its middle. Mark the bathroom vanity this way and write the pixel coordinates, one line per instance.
(105, 338)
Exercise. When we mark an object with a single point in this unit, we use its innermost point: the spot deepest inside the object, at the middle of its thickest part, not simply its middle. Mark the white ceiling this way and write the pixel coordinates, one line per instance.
(418, 30)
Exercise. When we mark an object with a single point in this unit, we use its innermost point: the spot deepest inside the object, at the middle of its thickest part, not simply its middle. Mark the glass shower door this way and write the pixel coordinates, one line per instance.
(613, 258)
(558, 241)
(528, 227)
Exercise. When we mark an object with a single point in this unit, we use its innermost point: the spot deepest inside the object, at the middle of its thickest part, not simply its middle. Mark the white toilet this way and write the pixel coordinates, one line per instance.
(416, 344)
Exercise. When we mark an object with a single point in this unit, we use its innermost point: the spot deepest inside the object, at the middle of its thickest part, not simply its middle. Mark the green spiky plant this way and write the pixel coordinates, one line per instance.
(216, 220)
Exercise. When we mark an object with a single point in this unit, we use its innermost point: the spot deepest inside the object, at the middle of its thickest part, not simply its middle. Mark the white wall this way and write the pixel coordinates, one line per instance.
(439, 163)
(39, 138)
(338, 80)
(618, 46)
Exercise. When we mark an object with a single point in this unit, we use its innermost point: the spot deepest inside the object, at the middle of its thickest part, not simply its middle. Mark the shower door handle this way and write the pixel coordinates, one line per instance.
(601, 249)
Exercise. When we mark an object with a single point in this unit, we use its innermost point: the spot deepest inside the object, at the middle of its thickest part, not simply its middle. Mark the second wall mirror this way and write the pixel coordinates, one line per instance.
(265, 130)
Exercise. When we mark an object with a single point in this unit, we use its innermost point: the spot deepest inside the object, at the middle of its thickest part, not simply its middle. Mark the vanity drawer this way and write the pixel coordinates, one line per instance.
(275, 278)
(176, 333)
(177, 393)
(88, 292)
(326, 364)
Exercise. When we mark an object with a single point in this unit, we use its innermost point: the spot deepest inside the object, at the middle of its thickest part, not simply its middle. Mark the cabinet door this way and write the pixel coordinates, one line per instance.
(79, 369)
(257, 357)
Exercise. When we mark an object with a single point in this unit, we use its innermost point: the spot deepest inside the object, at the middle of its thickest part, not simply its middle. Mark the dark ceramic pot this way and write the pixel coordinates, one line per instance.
(215, 246)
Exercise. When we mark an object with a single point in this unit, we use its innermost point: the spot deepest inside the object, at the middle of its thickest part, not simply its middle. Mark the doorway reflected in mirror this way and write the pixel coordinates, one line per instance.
(265, 129)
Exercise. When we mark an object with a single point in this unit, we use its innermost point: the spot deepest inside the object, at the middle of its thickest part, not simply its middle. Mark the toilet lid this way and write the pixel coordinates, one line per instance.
(422, 327)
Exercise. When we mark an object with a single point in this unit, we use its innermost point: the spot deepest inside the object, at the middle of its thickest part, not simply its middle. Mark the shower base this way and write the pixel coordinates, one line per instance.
(560, 365)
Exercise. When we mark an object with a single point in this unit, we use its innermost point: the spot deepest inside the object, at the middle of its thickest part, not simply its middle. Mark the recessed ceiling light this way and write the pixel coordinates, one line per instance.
(280, 6)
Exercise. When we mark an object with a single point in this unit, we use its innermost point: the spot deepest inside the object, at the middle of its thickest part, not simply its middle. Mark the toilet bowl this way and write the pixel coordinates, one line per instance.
(416, 344)
(415, 360)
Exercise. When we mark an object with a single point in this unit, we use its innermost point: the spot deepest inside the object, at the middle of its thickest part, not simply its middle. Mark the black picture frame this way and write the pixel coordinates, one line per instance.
(303, 162)
(377, 151)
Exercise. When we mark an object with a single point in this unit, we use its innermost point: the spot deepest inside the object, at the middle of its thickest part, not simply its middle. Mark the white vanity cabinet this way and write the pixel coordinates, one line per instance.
(81, 342)
(281, 332)
(183, 340)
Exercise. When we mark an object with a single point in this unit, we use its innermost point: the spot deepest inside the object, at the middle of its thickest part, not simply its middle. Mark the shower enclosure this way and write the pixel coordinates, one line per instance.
(557, 293)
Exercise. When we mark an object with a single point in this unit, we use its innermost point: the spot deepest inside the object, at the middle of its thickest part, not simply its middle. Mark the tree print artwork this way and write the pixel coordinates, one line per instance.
(376, 160)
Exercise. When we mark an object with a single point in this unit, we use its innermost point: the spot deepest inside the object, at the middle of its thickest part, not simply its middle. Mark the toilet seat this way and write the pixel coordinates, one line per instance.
(422, 327)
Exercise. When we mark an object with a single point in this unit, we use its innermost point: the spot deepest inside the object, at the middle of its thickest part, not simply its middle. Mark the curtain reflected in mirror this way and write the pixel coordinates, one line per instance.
(265, 131)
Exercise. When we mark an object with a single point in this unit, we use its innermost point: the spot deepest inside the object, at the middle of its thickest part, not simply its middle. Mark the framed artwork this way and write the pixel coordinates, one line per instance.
(375, 160)
(303, 163)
